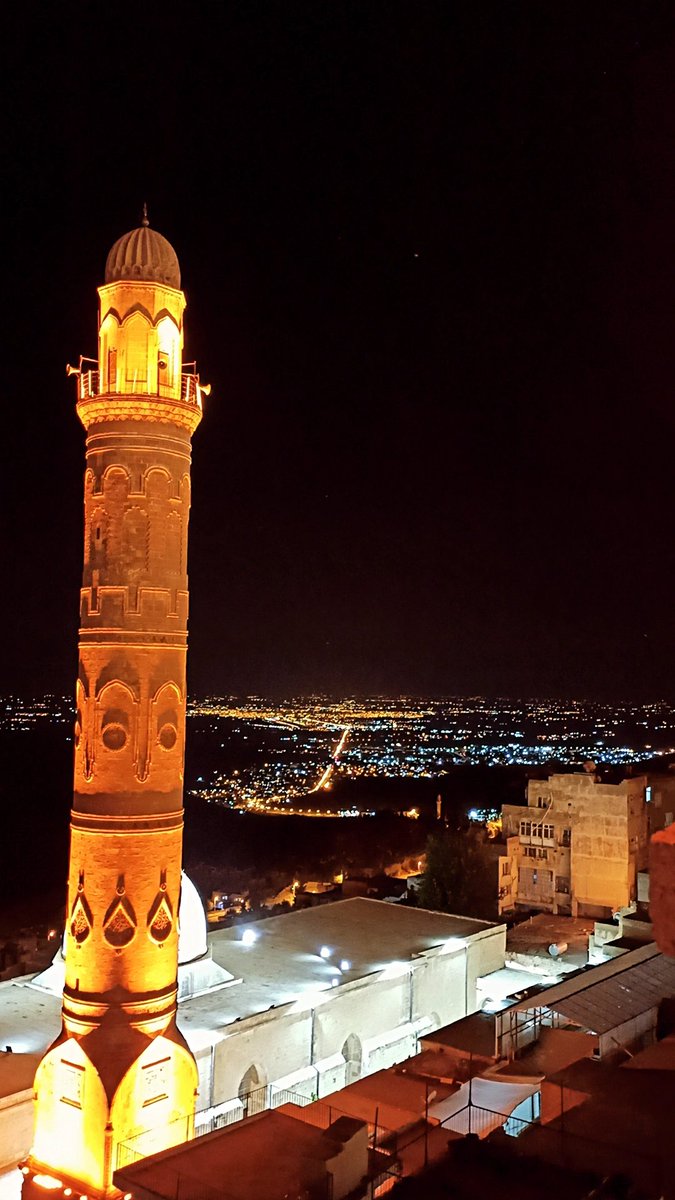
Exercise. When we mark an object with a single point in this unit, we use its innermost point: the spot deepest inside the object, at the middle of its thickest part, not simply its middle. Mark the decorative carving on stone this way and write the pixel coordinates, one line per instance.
(117, 719)
(81, 919)
(119, 923)
(168, 705)
(160, 916)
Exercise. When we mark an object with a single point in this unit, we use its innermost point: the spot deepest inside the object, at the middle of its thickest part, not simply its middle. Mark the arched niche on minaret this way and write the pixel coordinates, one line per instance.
(169, 343)
(135, 354)
(116, 727)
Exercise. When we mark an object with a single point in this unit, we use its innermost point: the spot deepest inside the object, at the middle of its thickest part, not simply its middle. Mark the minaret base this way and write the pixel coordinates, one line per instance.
(139, 1100)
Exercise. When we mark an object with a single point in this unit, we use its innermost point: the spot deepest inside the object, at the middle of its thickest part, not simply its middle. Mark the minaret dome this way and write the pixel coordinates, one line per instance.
(143, 255)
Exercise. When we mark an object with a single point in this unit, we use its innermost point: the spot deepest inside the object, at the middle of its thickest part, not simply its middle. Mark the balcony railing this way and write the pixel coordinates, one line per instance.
(89, 385)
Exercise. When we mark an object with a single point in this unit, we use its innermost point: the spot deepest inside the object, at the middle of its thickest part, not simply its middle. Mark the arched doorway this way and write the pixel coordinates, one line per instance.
(252, 1090)
(353, 1056)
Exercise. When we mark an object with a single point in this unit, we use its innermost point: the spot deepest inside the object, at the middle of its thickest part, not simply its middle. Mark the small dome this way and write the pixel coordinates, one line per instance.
(143, 254)
(192, 941)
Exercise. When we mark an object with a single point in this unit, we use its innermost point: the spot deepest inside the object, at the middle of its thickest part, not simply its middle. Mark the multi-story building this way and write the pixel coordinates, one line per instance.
(577, 845)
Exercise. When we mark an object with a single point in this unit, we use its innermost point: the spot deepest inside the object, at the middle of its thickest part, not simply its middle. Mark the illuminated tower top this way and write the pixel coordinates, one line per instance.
(143, 254)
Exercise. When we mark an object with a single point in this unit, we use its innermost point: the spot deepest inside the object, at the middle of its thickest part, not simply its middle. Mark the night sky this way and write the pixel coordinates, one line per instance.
(429, 255)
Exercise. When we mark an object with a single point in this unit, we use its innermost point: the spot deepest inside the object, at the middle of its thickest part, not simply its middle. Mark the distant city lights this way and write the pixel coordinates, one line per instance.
(280, 758)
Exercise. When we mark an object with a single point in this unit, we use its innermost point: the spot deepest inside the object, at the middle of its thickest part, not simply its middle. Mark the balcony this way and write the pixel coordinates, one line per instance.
(89, 385)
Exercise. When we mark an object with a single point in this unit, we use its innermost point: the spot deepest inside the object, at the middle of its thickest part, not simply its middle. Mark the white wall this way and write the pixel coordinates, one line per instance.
(379, 1010)
(16, 1127)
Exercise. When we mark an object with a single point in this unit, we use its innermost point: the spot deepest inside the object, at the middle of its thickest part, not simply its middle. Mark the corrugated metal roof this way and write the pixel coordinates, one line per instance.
(602, 1006)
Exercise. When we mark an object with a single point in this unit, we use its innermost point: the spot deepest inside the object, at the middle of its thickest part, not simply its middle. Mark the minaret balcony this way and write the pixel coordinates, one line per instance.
(89, 386)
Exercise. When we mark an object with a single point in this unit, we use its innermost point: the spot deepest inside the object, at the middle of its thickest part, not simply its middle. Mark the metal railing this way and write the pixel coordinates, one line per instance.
(89, 385)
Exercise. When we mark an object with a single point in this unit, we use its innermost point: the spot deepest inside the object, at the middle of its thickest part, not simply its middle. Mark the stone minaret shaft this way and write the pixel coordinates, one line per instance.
(120, 1066)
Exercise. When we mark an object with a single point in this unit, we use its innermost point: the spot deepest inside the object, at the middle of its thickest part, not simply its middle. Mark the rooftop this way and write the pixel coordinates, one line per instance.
(291, 1148)
(474, 1034)
(613, 992)
(278, 962)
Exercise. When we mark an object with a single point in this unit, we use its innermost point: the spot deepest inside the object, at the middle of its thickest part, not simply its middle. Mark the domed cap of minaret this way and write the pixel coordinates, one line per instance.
(143, 255)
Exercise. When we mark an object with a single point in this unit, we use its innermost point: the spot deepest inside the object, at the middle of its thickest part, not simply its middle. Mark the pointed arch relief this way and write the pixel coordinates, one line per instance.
(164, 315)
(82, 728)
(134, 344)
(81, 920)
(168, 354)
(352, 1052)
(167, 707)
(116, 712)
(111, 319)
(119, 923)
(80, 708)
(252, 1090)
(160, 916)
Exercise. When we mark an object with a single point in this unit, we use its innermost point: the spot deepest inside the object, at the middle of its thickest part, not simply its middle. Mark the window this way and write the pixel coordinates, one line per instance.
(525, 828)
(545, 832)
(505, 868)
(566, 837)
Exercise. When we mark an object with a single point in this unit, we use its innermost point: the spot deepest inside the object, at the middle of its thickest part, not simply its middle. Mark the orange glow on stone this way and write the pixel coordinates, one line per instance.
(120, 1067)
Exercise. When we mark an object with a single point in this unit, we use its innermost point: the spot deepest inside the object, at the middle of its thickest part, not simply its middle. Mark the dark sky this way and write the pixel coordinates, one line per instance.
(429, 256)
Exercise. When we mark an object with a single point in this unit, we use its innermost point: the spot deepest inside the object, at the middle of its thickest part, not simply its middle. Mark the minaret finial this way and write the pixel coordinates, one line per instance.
(145, 222)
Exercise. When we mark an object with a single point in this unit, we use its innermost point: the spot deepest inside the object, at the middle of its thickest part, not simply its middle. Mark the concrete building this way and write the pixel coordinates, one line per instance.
(616, 1002)
(271, 1156)
(576, 847)
(301, 1003)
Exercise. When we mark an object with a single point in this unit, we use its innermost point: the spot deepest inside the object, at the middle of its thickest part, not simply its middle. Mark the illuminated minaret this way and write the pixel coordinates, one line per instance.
(120, 1065)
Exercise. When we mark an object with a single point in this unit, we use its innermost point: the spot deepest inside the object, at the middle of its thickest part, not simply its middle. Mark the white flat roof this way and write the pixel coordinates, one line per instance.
(281, 966)
(284, 963)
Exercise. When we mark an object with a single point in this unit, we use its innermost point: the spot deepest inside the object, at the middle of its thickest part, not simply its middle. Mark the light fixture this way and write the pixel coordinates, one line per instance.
(325, 951)
(249, 936)
(345, 964)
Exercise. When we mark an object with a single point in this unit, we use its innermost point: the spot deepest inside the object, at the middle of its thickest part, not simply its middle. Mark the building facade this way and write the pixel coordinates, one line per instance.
(576, 847)
(299, 1004)
(120, 1062)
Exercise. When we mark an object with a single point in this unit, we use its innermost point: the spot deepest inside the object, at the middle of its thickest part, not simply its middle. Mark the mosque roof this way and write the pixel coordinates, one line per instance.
(282, 965)
(143, 255)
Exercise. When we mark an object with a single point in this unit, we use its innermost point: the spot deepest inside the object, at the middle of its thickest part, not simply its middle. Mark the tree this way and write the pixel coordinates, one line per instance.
(458, 877)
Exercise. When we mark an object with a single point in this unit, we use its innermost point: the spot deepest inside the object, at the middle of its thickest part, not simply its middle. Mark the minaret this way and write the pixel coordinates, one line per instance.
(120, 1065)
